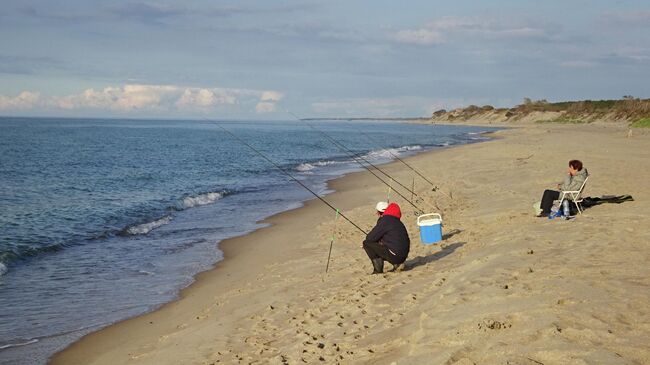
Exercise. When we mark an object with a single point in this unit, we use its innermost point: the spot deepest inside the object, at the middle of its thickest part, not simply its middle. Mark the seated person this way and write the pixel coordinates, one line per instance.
(388, 240)
(576, 176)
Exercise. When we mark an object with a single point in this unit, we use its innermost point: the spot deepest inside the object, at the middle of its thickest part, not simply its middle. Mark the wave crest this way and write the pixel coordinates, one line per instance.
(23, 343)
(3, 269)
(304, 167)
(381, 154)
(390, 152)
(147, 227)
(202, 199)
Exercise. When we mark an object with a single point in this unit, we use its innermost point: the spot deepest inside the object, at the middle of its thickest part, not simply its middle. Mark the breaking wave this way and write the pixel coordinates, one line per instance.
(390, 153)
(382, 154)
(23, 343)
(202, 199)
(304, 167)
(147, 227)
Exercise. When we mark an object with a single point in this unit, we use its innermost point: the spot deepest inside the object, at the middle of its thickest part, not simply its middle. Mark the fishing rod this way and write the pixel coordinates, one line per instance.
(397, 158)
(367, 169)
(288, 174)
(356, 157)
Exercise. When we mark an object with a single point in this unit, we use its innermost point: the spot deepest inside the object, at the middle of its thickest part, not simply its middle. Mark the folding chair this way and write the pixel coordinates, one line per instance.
(575, 195)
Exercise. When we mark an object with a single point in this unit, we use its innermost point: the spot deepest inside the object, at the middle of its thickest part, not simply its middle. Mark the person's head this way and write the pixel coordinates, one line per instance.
(381, 207)
(574, 167)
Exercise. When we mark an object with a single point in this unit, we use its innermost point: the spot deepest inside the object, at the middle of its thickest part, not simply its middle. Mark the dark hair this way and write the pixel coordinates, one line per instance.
(576, 164)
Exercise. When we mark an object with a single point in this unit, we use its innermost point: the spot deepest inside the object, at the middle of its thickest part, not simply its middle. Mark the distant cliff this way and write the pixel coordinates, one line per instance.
(632, 111)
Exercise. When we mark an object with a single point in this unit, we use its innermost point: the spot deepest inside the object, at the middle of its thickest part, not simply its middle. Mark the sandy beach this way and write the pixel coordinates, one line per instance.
(503, 287)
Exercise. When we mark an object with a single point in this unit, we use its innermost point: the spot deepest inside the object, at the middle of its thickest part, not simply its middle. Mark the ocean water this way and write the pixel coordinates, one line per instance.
(104, 219)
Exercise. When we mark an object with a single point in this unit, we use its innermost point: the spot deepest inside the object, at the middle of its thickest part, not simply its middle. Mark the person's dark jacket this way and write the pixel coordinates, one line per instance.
(390, 232)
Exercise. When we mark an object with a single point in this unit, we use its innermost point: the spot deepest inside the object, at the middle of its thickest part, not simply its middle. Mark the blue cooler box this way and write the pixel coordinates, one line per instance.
(430, 228)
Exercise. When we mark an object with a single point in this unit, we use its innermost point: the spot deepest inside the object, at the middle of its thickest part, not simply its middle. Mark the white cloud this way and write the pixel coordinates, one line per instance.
(122, 99)
(268, 99)
(419, 36)
(273, 96)
(205, 98)
(24, 100)
(265, 107)
(442, 30)
(138, 97)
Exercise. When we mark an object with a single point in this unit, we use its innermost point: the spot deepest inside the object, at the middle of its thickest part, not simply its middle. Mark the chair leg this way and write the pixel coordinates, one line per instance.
(578, 206)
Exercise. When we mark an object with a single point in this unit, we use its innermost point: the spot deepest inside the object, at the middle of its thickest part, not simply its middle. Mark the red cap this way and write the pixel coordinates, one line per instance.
(393, 210)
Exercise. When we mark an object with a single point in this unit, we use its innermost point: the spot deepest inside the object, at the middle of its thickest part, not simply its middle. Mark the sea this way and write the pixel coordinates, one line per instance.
(106, 219)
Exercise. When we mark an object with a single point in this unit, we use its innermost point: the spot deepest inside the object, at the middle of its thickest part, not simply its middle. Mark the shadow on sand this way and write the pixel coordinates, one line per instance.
(451, 234)
(423, 260)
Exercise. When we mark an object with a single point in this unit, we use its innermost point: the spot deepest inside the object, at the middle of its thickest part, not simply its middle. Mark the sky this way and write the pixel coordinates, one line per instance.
(261, 59)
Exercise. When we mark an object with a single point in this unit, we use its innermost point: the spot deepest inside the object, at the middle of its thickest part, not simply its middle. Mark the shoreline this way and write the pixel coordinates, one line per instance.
(234, 314)
(235, 246)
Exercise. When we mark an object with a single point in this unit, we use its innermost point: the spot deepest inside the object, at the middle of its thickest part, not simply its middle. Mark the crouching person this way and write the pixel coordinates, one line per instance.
(388, 240)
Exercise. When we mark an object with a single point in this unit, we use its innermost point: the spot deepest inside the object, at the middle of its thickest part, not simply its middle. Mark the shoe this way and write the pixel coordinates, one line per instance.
(398, 267)
(378, 266)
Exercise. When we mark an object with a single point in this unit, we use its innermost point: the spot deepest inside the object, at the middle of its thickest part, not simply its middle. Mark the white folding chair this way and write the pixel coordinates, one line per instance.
(575, 195)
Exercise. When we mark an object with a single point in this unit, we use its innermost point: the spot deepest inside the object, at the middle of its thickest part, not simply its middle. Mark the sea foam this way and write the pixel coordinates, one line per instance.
(148, 227)
(390, 152)
(202, 199)
(381, 154)
(24, 343)
(304, 167)
(3, 269)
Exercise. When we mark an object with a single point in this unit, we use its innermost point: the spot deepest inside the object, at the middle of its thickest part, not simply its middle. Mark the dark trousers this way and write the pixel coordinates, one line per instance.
(376, 250)
(547, 200)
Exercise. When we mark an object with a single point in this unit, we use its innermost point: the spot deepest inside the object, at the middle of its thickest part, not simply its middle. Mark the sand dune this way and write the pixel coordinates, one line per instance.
(504, 287)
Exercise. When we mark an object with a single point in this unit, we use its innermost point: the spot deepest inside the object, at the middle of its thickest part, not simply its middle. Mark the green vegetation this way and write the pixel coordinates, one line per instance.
(563, 120)
(627, 109)
(642, 123)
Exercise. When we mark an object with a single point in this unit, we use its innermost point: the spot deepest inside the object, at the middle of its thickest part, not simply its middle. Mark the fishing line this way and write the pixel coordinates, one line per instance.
(396, 157)
(287, 174)
(355, 156)
(365, 167)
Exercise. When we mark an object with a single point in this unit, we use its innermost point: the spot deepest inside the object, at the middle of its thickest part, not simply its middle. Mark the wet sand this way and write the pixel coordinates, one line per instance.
(502, 287)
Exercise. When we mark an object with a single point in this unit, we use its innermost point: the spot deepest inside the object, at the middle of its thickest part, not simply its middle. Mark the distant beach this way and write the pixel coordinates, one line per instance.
(502, 287)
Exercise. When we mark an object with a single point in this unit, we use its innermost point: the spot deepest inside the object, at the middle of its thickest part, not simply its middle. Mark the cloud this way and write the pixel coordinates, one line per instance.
(265, 107)
(154, 98)
(205, 98)
(273, 96)
(122, 99)
(148, 12)
(373, 107)
(268, 100)
(577, 64)
(627, 56)
(445, 29)
(630, 19)
(419, 36)
(25, 65)
(24, 100)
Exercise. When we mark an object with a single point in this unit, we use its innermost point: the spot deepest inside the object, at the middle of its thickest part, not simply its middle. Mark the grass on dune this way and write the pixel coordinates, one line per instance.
(642, 123)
